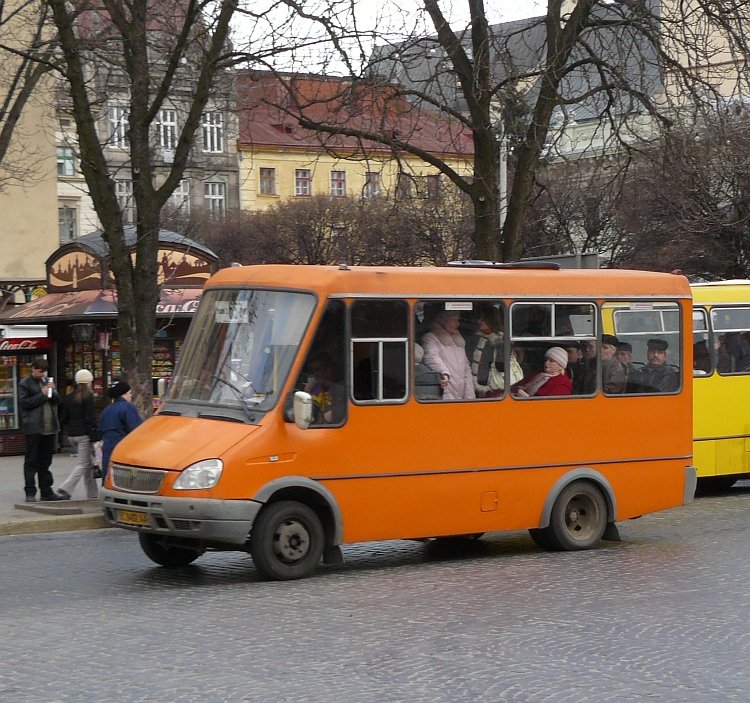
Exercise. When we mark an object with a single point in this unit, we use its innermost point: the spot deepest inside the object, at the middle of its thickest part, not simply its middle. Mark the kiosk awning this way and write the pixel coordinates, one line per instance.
(101, 304)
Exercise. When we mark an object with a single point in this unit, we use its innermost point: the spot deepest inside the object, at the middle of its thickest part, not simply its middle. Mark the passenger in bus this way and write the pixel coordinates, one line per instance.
(701, 358)
(625, 356)
(723, 358)
(551, 381)
(426, 381)
(575, 367)
(658, 376)
(613, 375)
(484, 349)
(329, 396)
(445, 351)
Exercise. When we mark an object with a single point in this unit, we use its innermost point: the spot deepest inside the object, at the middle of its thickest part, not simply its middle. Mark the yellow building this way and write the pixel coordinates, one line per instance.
(281, 160)
(28, 173)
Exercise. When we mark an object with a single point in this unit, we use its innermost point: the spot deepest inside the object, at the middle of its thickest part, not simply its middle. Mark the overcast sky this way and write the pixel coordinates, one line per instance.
(392, 19)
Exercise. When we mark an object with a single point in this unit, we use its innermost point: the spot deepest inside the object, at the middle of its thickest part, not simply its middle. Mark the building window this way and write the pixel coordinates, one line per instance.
(167, 129)
(268, 181)
(338, 183)
(302, 181)
(65, 161)
(124, 193)
(67, 221)
(404, 187)
(213, 132)
(215, 194)
(118, 127)
(372, 184)
(180, 199)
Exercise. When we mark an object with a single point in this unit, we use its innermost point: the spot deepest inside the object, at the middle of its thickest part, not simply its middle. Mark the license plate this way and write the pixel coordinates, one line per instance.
(132, 517)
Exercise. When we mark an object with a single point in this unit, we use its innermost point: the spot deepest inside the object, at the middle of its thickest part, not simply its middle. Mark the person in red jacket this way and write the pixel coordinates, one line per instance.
(551, 381)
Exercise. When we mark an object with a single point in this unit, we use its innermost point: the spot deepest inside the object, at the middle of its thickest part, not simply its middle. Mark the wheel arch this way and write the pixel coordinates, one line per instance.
(578, 474)
(311, 493)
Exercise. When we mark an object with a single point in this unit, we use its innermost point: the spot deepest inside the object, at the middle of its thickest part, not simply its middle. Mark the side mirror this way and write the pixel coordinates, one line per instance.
(303, 409)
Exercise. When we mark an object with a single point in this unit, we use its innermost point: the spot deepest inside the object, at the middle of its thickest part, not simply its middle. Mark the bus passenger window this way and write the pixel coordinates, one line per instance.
(324, 370)
(732, 334)
(379, 339)
(649, 344)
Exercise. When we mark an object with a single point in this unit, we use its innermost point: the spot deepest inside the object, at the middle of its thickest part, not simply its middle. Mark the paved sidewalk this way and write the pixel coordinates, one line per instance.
(18, 517)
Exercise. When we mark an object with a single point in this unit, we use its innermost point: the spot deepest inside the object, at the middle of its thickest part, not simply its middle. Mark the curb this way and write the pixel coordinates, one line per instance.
(63, 523)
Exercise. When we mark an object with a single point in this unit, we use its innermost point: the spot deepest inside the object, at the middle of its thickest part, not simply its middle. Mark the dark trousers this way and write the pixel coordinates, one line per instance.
(39, 450)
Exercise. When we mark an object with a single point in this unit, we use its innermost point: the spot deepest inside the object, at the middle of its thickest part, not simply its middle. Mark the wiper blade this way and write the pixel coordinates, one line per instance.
(213, 416)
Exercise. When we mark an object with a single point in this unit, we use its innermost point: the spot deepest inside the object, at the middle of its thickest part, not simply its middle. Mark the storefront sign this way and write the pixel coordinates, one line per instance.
(25, 344)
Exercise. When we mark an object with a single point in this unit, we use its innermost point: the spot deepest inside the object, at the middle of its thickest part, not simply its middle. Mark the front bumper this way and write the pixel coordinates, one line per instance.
(218, 521)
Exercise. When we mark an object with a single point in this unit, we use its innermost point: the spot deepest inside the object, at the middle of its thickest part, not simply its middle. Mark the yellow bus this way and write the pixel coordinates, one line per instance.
(317, 406)
(721, 367)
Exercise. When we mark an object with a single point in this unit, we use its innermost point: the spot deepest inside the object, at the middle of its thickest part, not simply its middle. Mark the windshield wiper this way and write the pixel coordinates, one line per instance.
(239, 394)
(213, 416)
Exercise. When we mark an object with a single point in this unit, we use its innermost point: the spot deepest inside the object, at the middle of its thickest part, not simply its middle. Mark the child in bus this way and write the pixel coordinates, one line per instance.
(445, 351)
(551, 381)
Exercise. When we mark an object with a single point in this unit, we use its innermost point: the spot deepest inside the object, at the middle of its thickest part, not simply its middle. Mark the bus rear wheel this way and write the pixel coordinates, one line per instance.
(287, 541)
(577, 521)
(161, 551)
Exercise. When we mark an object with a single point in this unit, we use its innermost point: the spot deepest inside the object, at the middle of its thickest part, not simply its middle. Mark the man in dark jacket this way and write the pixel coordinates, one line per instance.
(38, 401)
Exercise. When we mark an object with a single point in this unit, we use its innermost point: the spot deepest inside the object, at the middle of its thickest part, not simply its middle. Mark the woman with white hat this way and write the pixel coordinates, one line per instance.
(551, 381)
(78, 415)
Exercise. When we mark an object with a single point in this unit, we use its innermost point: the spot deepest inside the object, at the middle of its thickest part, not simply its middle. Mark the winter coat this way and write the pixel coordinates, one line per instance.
(78, 418)
(446, 353)
(32, 402)
(116, 421)
(483, 351)
(554, 385)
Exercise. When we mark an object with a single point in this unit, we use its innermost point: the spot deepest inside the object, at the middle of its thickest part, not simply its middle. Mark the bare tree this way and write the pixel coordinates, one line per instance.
(613, 75)
(146, 52)
(327, 230)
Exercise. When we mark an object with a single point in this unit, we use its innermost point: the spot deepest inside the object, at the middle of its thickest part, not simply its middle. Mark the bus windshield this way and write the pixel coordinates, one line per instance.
(240, 347)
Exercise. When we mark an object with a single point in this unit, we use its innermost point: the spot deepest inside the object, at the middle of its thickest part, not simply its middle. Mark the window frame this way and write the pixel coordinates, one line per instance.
(65, 158)
(212, 125)
(267, 180)
(302, 182)
(338, 183)
(168, 128)
(216, 202)
(118, 117)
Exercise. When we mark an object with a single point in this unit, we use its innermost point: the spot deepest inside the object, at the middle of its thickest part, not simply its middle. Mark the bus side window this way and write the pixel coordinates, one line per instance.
(378, 350)
(651, 331)
(324, 370)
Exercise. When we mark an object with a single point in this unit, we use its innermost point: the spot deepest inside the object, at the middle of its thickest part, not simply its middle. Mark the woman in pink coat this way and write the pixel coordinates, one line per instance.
(445, 352)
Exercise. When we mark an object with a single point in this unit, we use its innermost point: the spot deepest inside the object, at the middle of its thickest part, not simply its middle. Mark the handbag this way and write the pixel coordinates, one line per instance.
(96, 451)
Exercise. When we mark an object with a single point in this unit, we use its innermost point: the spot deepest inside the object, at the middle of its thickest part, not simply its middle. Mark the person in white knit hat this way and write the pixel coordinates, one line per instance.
(551, 381)
(78, 416)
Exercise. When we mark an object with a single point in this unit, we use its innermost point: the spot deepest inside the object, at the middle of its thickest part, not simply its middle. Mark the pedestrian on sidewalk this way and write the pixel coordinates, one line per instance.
(117, 420)
(38, 401)
(77, 415)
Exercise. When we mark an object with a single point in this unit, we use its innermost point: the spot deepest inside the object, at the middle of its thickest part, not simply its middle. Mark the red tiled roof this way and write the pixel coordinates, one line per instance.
(267, 117)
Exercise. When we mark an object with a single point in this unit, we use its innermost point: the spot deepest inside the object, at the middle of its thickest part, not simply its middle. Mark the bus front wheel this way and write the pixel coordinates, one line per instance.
(577, 521)
(161, 551)
(287, 541)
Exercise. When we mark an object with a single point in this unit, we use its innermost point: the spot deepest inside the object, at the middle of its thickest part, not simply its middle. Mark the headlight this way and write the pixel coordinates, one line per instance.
(204, 474)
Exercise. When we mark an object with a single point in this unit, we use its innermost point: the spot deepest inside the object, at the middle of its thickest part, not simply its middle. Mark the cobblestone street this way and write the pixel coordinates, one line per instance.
(661, 616)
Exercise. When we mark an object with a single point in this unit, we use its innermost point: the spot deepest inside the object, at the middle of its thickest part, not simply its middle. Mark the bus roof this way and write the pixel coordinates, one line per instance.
(452, 282)
(718, 292)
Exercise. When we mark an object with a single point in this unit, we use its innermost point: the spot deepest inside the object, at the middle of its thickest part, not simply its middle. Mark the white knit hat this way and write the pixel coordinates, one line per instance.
(557, 354)
(84, 376)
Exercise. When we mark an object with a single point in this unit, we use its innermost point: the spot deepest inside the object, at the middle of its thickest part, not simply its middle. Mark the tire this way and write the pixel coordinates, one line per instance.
(160, 551)
(286, 541)
(577, 521)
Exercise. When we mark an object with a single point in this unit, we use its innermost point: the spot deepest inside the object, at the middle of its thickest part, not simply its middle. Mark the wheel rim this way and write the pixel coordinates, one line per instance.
(581, 517)
(291, 541)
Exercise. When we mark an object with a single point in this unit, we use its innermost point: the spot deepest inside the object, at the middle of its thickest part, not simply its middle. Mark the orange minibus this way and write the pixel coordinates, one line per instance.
(314, 406)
